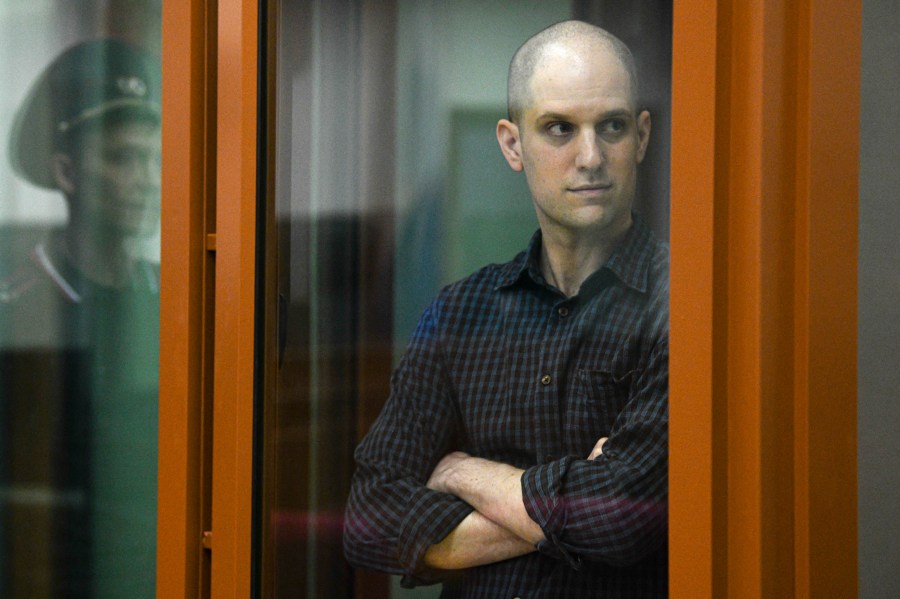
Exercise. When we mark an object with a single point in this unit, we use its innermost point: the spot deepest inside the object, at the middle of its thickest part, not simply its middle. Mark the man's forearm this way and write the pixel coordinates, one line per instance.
(492, 488)
(476, 541)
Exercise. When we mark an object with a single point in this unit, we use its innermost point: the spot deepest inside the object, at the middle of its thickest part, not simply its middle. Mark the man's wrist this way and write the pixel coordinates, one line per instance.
(468, 477)
(446, 476)
(452, 479)
(494, 489)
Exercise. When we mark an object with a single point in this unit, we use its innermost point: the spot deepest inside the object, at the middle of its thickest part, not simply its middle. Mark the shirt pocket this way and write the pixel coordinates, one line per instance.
(599, 398)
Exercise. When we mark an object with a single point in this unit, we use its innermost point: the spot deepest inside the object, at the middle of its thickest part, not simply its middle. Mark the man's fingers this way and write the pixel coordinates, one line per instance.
(598, 448)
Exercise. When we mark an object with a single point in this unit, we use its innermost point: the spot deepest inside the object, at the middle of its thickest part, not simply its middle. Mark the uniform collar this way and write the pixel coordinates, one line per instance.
(73, 286)
(65, 286)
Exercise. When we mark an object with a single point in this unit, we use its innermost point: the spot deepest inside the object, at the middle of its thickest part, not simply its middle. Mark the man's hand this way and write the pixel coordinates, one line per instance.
(598, 448)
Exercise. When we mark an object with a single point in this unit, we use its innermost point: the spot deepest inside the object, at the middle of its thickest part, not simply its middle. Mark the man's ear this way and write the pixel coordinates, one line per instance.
(64, 173)
(643, 130)
(510, 144)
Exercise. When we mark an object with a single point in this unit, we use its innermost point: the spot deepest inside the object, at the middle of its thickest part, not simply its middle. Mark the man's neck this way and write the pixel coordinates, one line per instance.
(568, 260)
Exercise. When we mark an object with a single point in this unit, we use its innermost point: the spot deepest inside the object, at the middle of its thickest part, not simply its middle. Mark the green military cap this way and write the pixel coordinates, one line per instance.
(91, 81)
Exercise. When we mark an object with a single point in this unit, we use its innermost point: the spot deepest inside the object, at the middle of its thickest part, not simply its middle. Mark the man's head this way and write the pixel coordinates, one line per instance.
(575, 129)
(111, 176)
(572, 33)
(90, 127)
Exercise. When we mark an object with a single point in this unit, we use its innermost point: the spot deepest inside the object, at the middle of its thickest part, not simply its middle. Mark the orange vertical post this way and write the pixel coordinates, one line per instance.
(827, 209)
(696, 473)
(235, 288)
(183, 272)
(763, 345)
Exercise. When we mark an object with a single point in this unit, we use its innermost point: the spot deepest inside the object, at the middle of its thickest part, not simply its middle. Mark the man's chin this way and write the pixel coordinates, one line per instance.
(603, 216)
(607, 225)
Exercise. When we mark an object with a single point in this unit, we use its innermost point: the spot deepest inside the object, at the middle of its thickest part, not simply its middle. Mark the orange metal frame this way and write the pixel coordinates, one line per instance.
(207, 304)
(763, 332)
(763, 298)
(186, 268)
(235, 297)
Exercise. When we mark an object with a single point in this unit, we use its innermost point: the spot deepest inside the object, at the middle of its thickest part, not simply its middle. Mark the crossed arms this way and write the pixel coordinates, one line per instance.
(417, 510)
(470, 511)
(500, 527)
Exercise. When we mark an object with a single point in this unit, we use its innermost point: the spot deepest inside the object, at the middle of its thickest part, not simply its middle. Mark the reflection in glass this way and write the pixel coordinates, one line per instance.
(79, 307)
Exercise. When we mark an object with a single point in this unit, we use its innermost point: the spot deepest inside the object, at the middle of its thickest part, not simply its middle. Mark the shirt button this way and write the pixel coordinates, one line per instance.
(563, 312)
(545, 380)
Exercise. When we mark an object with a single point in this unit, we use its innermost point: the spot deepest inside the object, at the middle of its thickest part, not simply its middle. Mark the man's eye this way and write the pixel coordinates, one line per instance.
(613, 126)
(559, 129)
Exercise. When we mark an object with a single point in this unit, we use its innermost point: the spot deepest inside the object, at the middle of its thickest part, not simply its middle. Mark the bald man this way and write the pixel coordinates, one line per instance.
(523, 449)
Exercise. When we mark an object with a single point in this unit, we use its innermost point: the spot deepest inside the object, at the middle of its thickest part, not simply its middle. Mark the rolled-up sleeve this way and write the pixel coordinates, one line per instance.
(391, 516)
(612, 509)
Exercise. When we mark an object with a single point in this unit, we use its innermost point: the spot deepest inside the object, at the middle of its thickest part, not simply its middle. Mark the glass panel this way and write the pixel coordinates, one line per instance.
(79, 311)
(388, 185)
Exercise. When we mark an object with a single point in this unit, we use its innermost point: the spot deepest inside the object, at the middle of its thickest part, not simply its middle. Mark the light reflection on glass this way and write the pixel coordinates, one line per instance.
(79, 298)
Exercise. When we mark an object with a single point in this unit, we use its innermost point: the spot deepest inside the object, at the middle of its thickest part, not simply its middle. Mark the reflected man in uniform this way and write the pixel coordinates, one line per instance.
(80, 334)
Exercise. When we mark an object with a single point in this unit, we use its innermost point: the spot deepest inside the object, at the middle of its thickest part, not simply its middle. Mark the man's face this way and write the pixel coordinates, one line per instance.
(116, 174)
(579, 142)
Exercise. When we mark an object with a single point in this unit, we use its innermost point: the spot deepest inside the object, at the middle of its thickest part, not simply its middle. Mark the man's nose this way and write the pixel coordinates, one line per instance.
(590, 151)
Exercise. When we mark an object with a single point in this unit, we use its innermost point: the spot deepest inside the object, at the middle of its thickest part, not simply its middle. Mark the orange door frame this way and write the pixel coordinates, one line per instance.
(236, 208)
(207, 304)
(187, 297)
(763, 298)
(763, 339)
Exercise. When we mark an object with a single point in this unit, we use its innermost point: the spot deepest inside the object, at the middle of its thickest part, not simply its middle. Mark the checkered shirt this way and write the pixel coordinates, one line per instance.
(505, 367)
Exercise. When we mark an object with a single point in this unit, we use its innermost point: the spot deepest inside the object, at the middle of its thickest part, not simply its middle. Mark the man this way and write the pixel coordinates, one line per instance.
(523, 449)
(80, 334)
(89, 128)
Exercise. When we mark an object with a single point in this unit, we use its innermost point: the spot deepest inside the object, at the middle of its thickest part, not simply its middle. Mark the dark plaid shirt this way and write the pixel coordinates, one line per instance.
(503, 366)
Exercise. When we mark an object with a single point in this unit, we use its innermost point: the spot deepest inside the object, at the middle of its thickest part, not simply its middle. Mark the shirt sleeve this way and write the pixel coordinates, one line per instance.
(391, 517)
(612, 509)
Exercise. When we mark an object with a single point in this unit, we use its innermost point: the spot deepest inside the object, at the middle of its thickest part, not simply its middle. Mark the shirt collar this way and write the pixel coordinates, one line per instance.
(632, 258)
(527, 263)
(629, 262)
